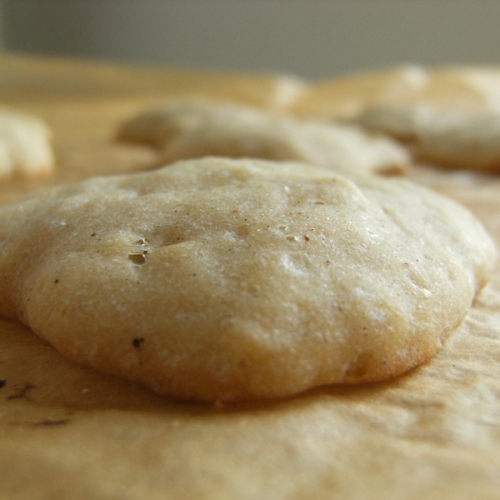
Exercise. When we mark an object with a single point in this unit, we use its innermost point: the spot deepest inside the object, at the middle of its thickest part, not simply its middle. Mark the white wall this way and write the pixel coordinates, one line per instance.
(313, 38)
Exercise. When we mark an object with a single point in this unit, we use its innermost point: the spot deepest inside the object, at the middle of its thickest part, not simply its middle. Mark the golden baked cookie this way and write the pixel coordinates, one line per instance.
(229, 280)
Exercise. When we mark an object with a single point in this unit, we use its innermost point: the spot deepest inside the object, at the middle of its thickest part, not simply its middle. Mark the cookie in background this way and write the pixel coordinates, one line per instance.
(25, 145)
(446, 116)
(194, 128)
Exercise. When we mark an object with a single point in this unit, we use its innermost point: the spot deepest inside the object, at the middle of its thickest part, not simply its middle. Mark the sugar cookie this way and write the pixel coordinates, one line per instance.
(229, 280)
(194, 129)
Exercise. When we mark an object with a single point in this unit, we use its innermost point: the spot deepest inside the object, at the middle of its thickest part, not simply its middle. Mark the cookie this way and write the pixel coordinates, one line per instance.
(344, 98)
(453, 121)
(25, 147)
(232, 280)
(194, 129)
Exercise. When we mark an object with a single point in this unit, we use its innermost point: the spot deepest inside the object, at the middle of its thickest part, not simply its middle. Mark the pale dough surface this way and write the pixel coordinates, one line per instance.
(221, 279)
(196, 128)
(72, 433)
(25, 145)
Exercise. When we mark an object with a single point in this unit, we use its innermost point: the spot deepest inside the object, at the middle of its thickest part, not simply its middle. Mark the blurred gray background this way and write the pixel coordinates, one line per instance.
(310, 38)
